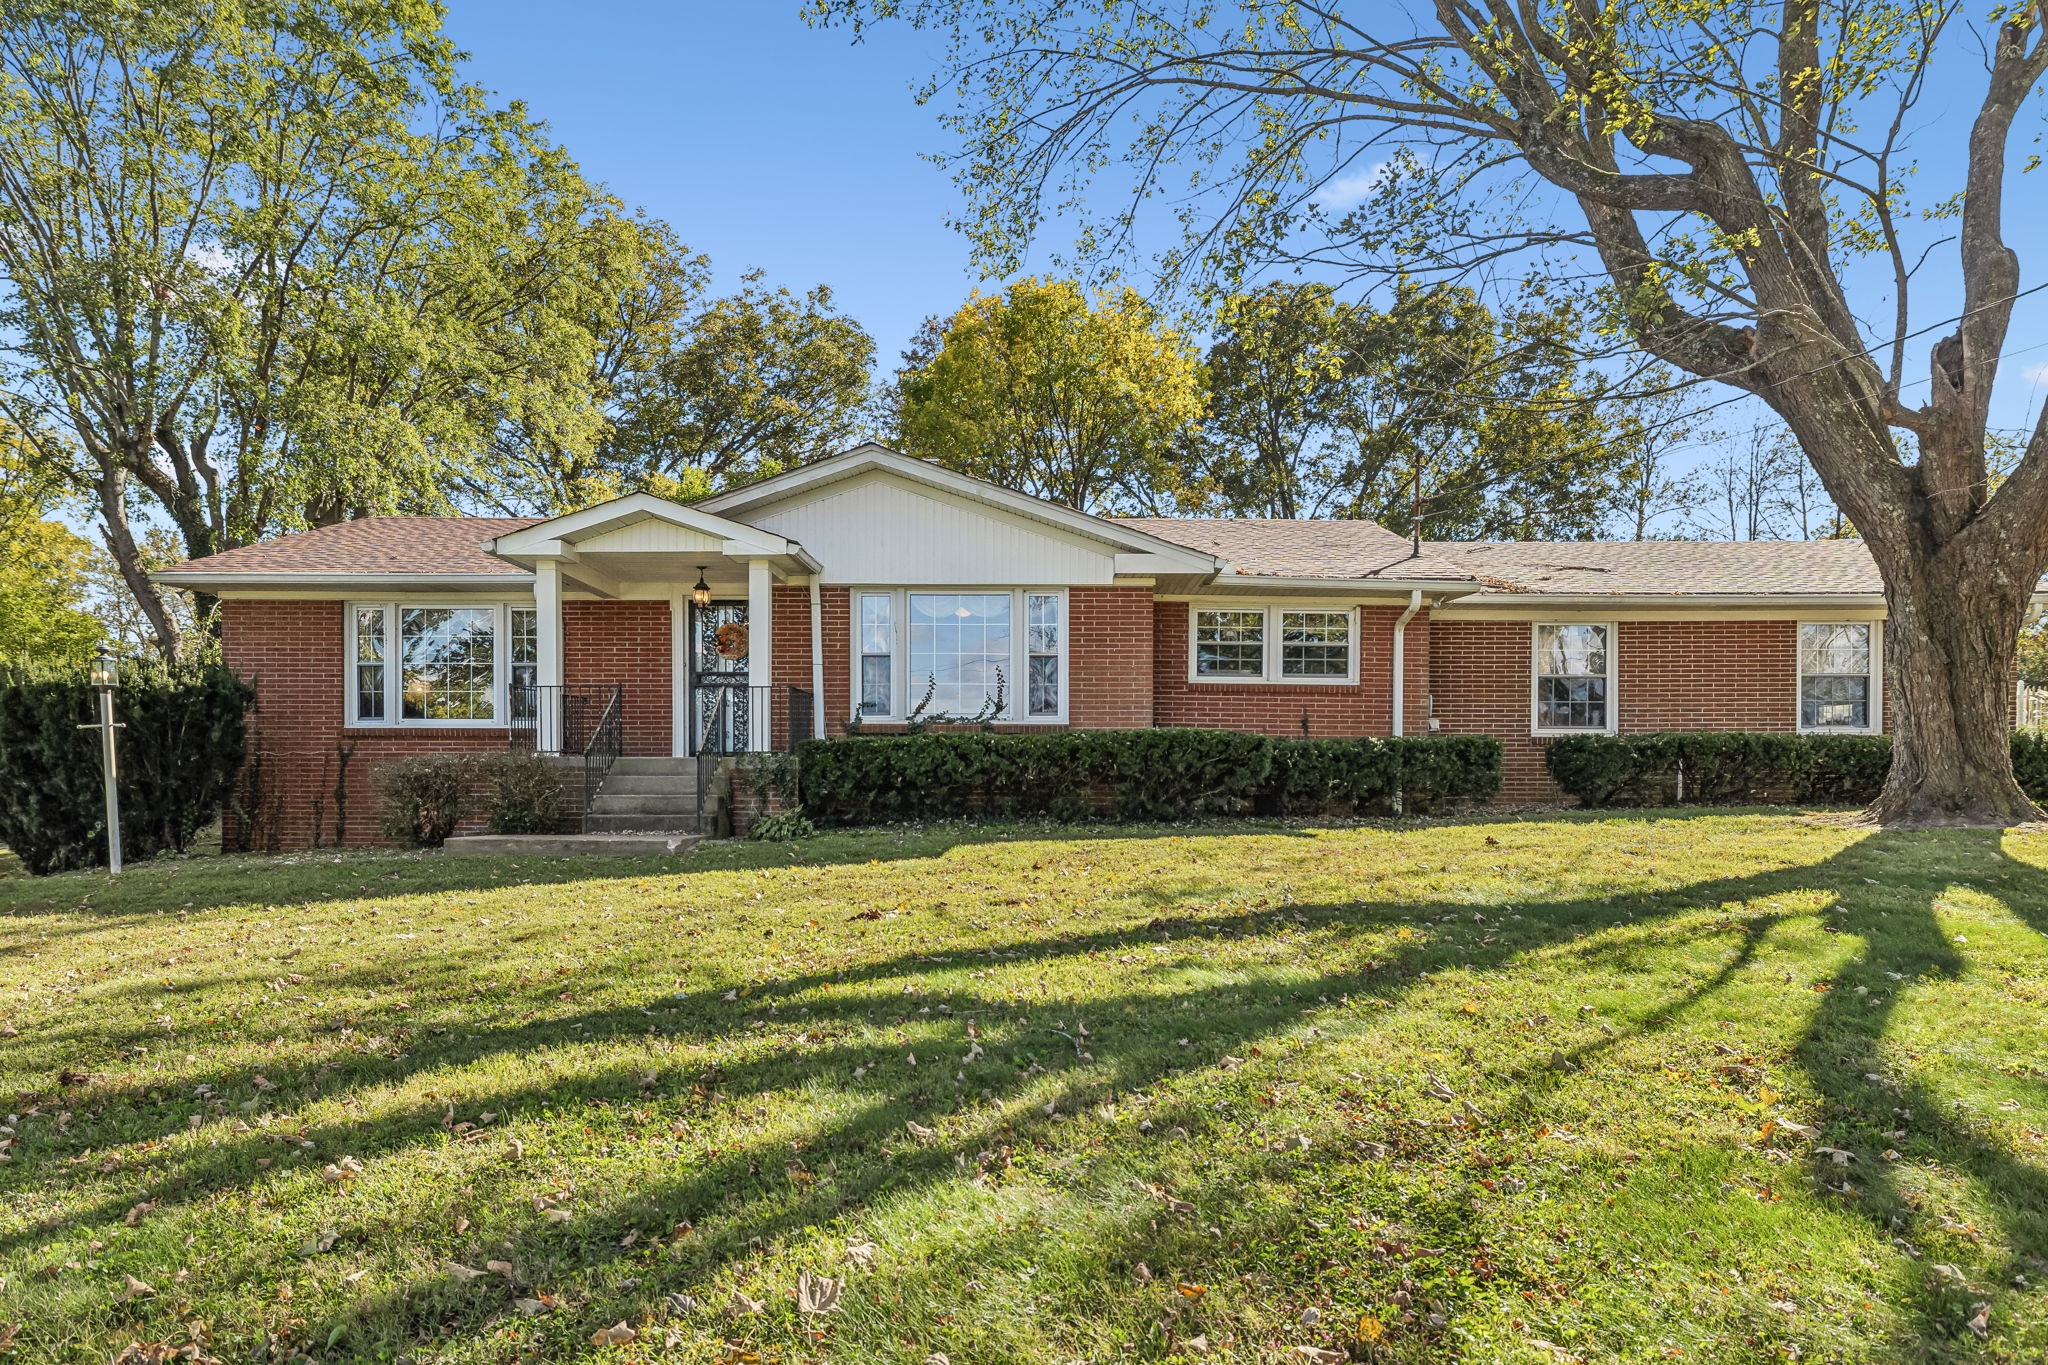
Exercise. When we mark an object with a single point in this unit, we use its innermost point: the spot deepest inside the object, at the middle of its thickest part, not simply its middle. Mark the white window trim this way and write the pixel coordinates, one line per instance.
(1613, 691)
(1017, 675)
(1876, 725)
(1272, 676)
(501, 663)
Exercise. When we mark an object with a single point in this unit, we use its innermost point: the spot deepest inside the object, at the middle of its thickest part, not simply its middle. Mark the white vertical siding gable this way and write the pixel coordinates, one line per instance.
(879, 529)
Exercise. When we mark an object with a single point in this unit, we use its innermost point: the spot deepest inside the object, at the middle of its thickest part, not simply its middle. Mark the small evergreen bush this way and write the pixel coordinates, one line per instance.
(522, 794)
(1726, 767)
(1161, 774)
(422, 800)
(182, 741)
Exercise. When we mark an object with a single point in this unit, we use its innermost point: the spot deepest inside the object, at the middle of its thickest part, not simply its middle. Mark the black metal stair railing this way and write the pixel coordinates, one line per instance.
(606, 743)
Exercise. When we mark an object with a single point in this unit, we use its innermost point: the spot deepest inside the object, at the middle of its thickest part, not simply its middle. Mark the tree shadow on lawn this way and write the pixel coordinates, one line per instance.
(202, 883)
(743, 1198)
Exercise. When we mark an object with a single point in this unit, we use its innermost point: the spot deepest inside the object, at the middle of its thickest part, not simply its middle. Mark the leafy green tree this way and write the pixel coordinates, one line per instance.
(1757, 185)
(267, 264)
(1047, 391)
(44, 568)
(695, 392)
(1324, 408)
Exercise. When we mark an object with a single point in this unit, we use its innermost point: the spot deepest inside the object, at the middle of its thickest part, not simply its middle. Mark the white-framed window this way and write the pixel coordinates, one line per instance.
(1839, 686)
(1231, 642)
(1572, 678)
(965, 649)
(875, 668)
(440, 664)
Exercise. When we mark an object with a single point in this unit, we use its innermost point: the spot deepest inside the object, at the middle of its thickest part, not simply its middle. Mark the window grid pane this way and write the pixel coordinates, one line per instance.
(960, 649)
(1042, 664)
(1315, 644)
(369, 633)
(523, 651)
(450, 663)
(1571, 677)
(878, 650)
(1834, 681)
(1230, 644)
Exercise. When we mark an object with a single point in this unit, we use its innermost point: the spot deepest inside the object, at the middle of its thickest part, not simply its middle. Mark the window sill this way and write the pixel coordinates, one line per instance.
(1272, 682)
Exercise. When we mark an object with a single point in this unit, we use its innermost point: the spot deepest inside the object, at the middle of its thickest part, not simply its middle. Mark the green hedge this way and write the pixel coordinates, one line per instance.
(1721, 768)
(178, 754)
(1164, 774)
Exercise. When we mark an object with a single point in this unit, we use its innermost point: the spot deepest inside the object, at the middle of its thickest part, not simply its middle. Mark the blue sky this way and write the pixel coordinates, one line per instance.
(767, 143)
(764, 142)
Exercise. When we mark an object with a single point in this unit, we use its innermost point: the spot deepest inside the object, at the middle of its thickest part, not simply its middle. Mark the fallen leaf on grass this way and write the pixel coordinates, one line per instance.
(862, 1253)
(816, 1294)
(465, 1273)
(1322, 1355)
(502, 1268)
(739, 1305)
(1980, 1321)
(1191, 1291)
(135, 1214)
(922, 1133)
(134, 1289)
(1436, 1089)
(533, 1308)
(618, 1334)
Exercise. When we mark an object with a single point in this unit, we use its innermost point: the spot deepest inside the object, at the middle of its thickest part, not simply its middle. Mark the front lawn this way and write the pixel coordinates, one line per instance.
(1698, 1087)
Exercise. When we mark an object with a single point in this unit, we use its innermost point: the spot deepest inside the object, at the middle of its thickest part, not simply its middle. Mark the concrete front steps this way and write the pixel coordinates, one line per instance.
(574, 845)
(646, 796)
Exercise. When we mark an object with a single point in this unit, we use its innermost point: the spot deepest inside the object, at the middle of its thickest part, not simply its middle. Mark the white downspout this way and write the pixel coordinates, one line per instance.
(817, 665)
(1401, 660)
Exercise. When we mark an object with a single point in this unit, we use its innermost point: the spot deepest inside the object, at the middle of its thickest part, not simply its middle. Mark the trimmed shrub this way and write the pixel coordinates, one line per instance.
(785, 826)
(1162, 774)
(1709, 767)
(183, 739)
(422, 800)
(522, 794)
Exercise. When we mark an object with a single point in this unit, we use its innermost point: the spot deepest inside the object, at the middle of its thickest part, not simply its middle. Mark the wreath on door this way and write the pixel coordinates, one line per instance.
(730, 640)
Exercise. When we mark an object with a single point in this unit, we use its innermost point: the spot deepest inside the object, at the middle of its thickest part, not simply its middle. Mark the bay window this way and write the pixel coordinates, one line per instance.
(1573, 684)
(1837, 676)
(960, 654)
(432, 664)
(1272, 643)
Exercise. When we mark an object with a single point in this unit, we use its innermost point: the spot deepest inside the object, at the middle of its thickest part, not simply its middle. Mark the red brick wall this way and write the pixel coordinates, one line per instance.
(836, 608)
(1109, 658)
(630, 644)
(1669, 675)
(791, 663)
(1334, 712)
(318, 777)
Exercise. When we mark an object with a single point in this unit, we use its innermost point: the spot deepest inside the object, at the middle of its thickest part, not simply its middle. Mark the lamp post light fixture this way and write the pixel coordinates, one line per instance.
(106, 676)
(701, 594)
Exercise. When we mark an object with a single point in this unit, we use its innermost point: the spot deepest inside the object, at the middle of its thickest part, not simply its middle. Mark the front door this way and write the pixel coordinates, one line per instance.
(718, 678)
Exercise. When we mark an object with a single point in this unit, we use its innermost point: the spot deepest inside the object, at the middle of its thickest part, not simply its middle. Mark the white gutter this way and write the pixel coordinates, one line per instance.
(1401, 659)
(817, 665)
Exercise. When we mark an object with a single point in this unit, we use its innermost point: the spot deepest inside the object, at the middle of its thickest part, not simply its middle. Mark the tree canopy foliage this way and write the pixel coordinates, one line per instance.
(1046, 390)
(1325, 408)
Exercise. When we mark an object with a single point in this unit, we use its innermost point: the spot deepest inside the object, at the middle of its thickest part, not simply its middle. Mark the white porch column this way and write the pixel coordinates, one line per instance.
(760, 654)
(547, 672)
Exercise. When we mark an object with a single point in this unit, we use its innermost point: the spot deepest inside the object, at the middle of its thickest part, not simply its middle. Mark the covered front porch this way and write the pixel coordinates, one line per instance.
(655, 630)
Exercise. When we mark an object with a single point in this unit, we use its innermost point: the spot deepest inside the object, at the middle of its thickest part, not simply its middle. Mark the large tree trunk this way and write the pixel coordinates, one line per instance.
(1951, 633)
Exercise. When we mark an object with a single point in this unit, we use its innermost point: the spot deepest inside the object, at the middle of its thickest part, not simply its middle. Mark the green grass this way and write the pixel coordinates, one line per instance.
(1175, 1090)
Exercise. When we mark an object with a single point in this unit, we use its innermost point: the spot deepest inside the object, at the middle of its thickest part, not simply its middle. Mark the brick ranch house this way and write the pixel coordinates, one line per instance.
(870, 583)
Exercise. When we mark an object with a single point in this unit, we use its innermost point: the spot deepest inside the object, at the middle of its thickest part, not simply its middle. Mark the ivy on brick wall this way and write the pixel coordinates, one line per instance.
(1152, 774)
(180, 747)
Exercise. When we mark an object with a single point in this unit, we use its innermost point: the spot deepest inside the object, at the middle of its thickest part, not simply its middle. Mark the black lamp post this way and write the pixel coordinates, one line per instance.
(106, 676)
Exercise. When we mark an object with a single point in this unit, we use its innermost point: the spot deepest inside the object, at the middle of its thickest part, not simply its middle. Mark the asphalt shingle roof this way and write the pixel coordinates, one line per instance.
(1302, 549)
(1677, 568)
(429, 546)
(373, 545)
